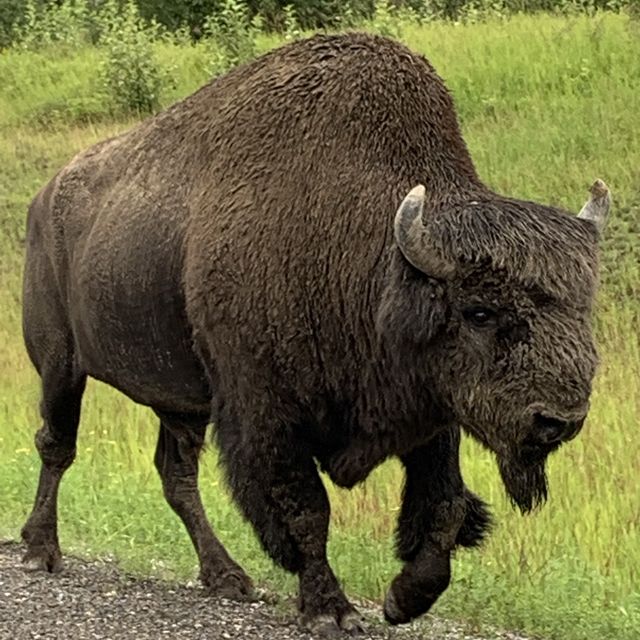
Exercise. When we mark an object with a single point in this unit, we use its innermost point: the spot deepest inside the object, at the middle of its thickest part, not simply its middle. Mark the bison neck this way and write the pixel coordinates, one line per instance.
(380, 424)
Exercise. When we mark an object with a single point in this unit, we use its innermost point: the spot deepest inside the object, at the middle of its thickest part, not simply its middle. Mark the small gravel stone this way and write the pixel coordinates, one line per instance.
(97, 601)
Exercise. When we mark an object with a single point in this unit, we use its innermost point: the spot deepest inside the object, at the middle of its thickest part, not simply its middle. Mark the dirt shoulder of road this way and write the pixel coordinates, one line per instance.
(97, 601)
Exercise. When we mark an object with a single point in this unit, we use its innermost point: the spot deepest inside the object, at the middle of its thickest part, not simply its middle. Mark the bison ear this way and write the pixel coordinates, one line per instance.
(412, 308)
(596, 209)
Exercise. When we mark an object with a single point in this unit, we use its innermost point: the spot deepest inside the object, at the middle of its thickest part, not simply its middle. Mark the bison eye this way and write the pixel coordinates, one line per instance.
(480, 316)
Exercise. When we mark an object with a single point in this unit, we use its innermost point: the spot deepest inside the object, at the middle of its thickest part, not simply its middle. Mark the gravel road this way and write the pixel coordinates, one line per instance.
(97, 601)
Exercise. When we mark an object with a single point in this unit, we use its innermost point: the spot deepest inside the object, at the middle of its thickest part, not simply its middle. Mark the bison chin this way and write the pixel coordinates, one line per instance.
(526, 484)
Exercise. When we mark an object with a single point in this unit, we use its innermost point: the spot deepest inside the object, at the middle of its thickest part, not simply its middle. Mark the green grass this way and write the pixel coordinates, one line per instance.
(547, 105)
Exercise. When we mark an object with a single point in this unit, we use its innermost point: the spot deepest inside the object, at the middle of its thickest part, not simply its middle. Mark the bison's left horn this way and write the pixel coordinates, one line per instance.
(596, 209)
(412, 237)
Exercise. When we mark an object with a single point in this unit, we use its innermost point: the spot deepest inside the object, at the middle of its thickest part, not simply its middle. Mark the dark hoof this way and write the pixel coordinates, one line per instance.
(43, 559)
(353, 624)
(392, 612)
(415, 590)
(234, 585)
(327, 626)
(323, 626)
(402, 613)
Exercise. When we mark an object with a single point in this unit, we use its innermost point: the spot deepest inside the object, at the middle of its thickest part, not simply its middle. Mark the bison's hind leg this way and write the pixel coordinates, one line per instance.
(179, 444)
(62, 389)
(50, 344)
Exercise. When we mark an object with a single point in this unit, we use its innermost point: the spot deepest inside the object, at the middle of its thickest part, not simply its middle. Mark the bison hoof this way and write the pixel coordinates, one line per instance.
(234, 585)
(397, 613)
(414, 591)
(323, 626)
(353, 624)
(392, 612)
(43, 559)
(327, 626)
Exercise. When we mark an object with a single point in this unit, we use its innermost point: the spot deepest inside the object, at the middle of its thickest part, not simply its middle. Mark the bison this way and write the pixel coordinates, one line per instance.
(302, 253)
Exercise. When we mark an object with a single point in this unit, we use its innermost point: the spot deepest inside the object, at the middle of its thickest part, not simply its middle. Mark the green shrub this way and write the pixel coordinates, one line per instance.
(231, 35)
(45, 24)
(384, 20)
(129, 74)
(173, 15)
(472, 10)
(56, 18)
(11, 12)
(314, 14)
(310, 14)
(291, 24)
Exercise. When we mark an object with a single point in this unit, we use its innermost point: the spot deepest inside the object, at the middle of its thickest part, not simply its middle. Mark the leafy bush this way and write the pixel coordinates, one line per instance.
(472, 10)
(173, 15)
(231, 34)
(44, 24)
(11, 12)
(129, 73)
(314, 14)
(291, 23)
(384, 21)
(310, 14)
(60, 20)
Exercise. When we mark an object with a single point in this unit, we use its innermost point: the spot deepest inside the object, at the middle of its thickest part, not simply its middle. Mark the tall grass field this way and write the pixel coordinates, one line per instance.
(547, 105)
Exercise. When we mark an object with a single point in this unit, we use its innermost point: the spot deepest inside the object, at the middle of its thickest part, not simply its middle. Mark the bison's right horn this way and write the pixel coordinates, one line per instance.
(596, 209)
(412, 237)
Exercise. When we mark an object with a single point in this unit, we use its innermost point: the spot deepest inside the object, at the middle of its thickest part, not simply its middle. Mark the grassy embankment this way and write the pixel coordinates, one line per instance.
(547, 104)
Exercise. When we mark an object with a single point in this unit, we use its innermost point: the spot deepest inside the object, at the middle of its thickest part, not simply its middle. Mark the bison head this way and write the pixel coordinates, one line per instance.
(497, 301)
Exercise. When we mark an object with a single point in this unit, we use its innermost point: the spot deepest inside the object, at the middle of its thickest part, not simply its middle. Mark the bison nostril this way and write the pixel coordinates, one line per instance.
(549, 429)
(573, 428)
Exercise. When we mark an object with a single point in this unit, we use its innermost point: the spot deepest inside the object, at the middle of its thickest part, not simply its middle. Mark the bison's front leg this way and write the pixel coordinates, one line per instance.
(274, 479)
(438, 513)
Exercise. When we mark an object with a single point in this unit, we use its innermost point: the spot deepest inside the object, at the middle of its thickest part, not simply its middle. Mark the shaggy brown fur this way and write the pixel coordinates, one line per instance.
(233, 257)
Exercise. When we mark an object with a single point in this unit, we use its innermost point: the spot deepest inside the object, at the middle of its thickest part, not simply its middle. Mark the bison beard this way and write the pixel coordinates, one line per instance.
(526, 484)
